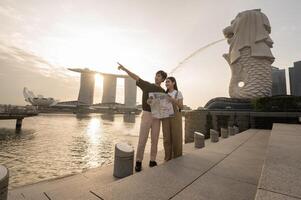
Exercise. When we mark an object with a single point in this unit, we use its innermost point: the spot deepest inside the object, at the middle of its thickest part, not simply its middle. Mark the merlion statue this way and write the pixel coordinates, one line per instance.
(250, 55)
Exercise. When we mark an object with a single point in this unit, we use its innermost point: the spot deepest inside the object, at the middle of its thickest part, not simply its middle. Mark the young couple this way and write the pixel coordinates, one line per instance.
(172, 126)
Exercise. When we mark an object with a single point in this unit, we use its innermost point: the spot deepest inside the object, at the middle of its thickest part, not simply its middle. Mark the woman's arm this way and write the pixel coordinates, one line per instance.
(131, 74)
(178, 102)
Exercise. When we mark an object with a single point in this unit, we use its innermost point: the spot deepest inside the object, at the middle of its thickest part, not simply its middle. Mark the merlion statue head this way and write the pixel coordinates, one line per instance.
(250, 28)
(249, 54)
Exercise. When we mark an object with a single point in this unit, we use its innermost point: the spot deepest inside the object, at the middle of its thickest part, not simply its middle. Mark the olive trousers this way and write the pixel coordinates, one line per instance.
(172, 136)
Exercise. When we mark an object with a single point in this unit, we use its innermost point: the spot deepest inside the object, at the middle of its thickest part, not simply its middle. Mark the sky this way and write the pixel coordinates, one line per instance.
(39, 40)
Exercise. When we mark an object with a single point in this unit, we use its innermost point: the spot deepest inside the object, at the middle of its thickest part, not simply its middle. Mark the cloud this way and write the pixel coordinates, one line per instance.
(20, 68)
(29, 61)
(10, 12)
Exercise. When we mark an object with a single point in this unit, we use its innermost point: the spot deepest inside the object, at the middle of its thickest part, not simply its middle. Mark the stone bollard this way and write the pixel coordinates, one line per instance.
(231, 130)
(224, 133)
(236, 130)
(213, 135)
(199, 140)
(124, 160)
(4, 175)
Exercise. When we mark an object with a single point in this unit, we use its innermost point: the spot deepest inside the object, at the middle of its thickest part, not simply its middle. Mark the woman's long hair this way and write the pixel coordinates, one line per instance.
(173, 80)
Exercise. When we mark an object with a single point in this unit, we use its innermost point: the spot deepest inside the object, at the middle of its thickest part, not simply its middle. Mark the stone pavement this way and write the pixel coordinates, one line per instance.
(227, 170)
(281, 174)
(62, 188)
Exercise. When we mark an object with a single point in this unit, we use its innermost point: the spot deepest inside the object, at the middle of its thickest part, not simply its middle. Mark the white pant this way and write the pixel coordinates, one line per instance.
(148, 122)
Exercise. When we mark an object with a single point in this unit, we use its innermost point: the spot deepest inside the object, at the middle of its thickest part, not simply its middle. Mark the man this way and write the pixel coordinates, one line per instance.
(148, 122)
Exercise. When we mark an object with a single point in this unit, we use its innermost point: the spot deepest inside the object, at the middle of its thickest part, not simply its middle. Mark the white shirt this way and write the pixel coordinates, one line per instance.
(173, 94)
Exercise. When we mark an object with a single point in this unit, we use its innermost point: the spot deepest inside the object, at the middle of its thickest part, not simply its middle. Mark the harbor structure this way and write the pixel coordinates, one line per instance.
(86, 91)
(10, 112)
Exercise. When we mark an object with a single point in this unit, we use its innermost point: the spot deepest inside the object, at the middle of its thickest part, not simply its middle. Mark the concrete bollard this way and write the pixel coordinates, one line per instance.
(224, 133)
(231, 130)
(124, 160)
(236, 129)
(4, 176)
(213, 135)
(199, 140)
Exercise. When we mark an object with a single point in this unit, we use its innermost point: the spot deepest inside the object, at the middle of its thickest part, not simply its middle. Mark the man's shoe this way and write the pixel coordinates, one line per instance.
(138, 166)
(152, 163)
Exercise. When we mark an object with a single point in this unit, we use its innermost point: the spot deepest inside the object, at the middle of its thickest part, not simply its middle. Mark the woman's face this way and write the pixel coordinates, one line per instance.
(169, 84)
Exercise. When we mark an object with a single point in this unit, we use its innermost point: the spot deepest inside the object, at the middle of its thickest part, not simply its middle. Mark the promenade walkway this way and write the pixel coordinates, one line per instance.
(227, 170)
(281, 174)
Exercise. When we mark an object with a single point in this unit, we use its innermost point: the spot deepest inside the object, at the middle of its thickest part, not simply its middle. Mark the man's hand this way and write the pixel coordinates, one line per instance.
(131, 74)
(149, 101)
(120, 66)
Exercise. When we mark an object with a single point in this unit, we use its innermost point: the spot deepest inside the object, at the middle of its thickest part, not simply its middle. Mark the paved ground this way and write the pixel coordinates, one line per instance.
(58, 188)
(281, 174)
(229, 169)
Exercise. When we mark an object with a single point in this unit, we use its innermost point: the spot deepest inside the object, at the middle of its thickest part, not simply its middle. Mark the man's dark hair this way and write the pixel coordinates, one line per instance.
(163, 74)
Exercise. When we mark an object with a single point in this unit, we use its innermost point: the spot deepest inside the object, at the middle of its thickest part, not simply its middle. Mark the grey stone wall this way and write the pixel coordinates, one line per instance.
(202, 120)
(195, 121)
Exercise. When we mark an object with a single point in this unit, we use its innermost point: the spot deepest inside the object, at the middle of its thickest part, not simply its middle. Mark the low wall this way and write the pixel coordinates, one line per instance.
(204, 120)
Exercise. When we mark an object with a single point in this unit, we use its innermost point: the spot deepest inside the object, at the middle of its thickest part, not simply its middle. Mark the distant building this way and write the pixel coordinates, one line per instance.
(279, 81)
(87, 82)
(38, 100)
(295, 79)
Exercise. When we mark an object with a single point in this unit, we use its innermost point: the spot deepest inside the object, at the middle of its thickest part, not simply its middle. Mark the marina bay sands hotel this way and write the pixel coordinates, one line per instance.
(87, 84)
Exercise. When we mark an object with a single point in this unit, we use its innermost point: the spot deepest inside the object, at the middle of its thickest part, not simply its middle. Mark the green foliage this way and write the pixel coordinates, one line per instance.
(277, 104)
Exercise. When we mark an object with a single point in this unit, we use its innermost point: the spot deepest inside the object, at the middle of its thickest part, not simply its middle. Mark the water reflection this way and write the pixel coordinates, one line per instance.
(54, 145)
(93, 129)
(94, 134)
(11, 134)
(81, 116)
(129, 118)
(108, 117)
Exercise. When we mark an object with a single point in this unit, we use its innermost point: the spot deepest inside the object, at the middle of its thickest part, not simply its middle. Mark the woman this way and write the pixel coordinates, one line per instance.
(172, 126)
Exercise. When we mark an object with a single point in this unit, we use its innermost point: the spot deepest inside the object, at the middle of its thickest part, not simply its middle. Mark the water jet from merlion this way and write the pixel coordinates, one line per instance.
(195, 53)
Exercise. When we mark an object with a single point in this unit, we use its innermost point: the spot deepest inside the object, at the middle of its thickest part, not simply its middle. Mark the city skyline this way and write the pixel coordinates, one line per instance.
(37, 46)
